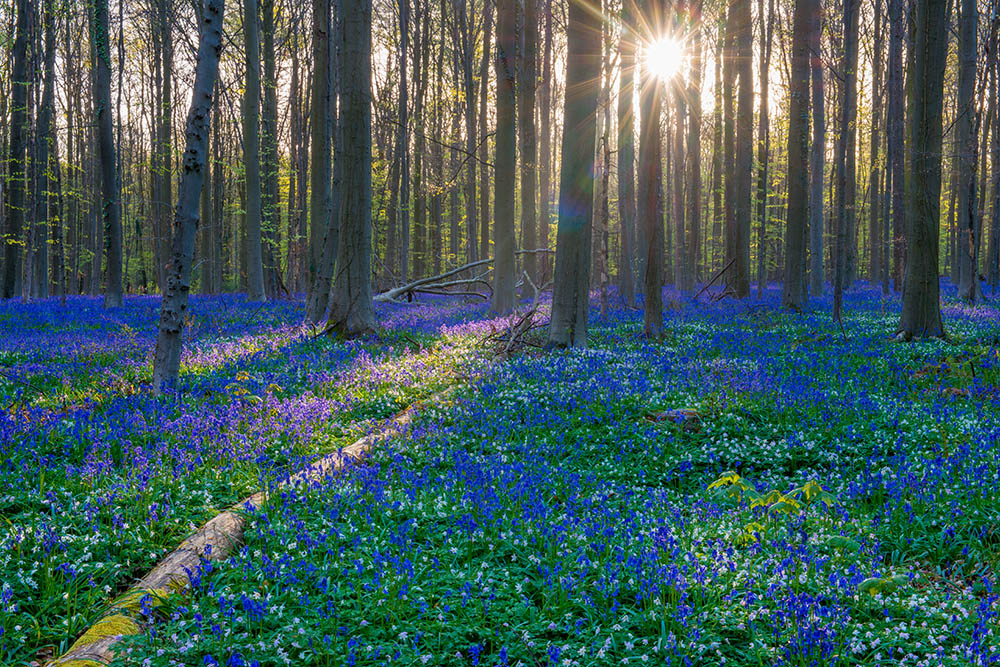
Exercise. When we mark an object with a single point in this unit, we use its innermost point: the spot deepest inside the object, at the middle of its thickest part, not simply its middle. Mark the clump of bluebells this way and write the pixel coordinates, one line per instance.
(102, 479)
(756, 488)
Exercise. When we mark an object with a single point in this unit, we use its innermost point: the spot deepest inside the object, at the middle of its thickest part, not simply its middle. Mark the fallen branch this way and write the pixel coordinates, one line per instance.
(394, 294)
(717, 276)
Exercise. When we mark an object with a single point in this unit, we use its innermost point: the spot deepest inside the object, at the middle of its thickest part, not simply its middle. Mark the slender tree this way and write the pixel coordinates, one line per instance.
(506, 158)
(968, 236)
(167, 356)
(626, 155)
(764, 138)
(251, 153)
(921, 315)
(527, 139)
(694, 147)
(798, 158)
(17, 147)
(743, 39)
(894, 146)
(845, 160)
(817, 152)
(570, 298)
(649, 211)
(111, 201)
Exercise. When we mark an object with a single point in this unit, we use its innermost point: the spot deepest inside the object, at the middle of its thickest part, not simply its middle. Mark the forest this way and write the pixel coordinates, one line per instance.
(499, 332)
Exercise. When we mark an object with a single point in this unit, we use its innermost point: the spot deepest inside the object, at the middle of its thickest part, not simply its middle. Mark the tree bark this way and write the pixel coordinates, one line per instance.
(921, 315)
(484, 169)
(798, 158)
(650, 213)
(894, 149)
(818, 149)
(763, 145)
(16, 155)
(545, 147)
(875, 241)
(843, 264)
(529, 148)
(743, 39)
(352, 311)
(694, 148)
(251, 153)
(167, 356)
(570, 298)
(968, 157)
(626, 156)
(111, 200)
(506, 158)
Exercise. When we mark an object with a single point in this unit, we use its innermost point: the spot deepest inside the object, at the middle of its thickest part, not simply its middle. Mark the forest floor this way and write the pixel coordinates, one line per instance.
(758, 488)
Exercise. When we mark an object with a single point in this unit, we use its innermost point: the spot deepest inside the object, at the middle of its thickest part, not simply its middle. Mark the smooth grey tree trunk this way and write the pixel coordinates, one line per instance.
(763, 144)
(44, 200)
(251, 153)
(545, 149)
(894, 146)
(845, 159)
(529, 147)
(626, 156)
(352, 311)
(921, 316)
(506, 158)
(969, 289)
(319, 174)
(694, 148)
(167, 356)
(798, 158)
(649, 209)
(16, 155)
(742, 209)
(111, 199)
(817, 151)
(571, 292)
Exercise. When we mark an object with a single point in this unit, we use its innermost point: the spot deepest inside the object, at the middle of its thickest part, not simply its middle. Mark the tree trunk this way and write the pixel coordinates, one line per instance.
(875, 240)
(570, 298)
(167, 357)
(251, 154)
(743, 38)
(968, 244)
(529, 149)
(817, 156)
(46, 141)
(921, 315)
(650, 213)
(993, 248)
(352, 311)
(506, 158)
(111, 202)
(17, 155)
(421, 49)
(845, 160)
(545, 148)
(626, 156)
(270, 210)
(763, 146)
(320, 124)
(694, 148)
(484, 169)
(466, 38)
(894, 150)
(798, 158)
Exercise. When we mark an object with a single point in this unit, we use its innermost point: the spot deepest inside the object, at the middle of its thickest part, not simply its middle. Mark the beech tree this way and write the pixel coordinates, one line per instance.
(921, 315)
(167, 356)
(571, 292)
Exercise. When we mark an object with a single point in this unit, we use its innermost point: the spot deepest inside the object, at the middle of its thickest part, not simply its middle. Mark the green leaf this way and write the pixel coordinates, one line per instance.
(841, 542)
